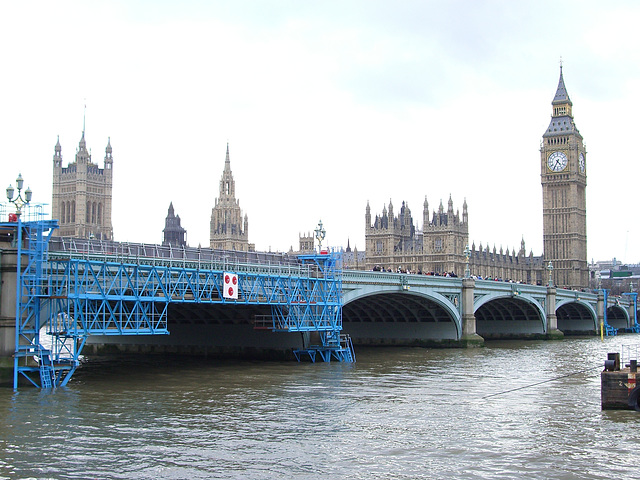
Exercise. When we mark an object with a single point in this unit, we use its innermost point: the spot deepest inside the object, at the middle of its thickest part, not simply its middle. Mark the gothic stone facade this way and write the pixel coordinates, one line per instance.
(228, 230)
(564, 181)
(81, 194)
(394, 243)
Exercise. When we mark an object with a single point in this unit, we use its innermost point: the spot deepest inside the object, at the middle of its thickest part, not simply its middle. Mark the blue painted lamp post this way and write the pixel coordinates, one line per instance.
(550, 268)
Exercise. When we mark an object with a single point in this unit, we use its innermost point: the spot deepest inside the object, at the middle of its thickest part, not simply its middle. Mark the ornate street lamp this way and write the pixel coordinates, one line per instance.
(19, 202)
(320, 234)
(550, 268)
(467, 255)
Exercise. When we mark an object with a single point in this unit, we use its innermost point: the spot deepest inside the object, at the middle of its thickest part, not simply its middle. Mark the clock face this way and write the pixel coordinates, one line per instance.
(581, 163)
(557, 161)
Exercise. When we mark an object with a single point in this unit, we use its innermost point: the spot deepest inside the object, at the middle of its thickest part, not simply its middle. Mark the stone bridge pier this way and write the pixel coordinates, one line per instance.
(470, 337)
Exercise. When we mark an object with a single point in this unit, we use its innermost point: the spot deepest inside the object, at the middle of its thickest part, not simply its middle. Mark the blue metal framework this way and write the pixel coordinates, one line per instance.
(31, 238)
(323, 302)
(78, 296)
(609, 330)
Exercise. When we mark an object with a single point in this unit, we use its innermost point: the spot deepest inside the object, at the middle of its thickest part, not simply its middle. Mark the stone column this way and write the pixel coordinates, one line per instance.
(469, 336)
(552, 320)
(631, 312)
(600, 311)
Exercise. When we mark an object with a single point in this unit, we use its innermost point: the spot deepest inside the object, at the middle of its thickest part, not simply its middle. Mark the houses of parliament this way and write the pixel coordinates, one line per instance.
(82, 194)
(442, 247)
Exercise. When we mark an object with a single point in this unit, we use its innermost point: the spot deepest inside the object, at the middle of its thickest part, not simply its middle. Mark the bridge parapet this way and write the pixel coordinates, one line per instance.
(404, 281)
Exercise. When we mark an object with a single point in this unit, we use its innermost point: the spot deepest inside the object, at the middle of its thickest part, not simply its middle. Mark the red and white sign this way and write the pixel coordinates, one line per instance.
(230, 285)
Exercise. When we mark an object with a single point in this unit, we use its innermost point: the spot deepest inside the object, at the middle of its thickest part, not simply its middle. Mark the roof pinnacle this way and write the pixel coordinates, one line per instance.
(561, 93)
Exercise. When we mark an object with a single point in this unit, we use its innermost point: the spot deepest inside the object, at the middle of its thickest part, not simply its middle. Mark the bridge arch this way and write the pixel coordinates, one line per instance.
(576, 317)
(617, 316)
(506, 315)
(396, 317)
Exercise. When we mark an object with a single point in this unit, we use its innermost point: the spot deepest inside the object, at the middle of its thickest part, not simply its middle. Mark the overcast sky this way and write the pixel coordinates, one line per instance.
(326, 106)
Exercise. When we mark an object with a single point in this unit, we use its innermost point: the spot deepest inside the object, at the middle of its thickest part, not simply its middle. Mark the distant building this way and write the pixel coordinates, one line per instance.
(615, 276)
(306, 243)
(173, 233)
(81, 194)
(394, 243)
(228, 229)
(353, 259)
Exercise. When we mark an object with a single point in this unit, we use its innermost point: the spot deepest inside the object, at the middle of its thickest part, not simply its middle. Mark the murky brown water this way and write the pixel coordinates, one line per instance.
(395, 414)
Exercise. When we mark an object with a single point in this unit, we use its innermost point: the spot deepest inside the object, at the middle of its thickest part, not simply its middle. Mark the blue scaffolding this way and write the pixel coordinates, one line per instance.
(609, 330)
(321, 302)
(30, 235)
(71, 297)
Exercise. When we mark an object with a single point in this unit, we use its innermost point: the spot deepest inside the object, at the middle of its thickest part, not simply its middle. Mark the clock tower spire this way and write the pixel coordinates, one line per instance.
(564, 181)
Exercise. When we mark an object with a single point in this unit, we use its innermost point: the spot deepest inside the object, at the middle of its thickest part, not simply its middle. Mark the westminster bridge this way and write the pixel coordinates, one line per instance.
(407, 309)
(61, 297)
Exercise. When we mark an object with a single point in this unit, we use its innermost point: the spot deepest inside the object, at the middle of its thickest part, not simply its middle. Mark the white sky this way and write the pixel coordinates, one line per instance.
(326, 105)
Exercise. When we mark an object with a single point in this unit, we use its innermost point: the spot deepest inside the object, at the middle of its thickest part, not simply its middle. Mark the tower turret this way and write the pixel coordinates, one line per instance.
(465, 213)
(367, 217)
(174, 234)
(57, 155)
(425, 213)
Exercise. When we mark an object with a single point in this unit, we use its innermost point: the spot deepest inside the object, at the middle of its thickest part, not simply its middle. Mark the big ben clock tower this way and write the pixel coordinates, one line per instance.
(564, 182)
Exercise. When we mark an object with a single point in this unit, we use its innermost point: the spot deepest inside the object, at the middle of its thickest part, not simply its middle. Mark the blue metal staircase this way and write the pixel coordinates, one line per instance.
(47, 372)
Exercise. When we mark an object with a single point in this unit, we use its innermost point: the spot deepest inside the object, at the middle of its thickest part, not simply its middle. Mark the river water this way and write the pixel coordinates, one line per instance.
(398, 413)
